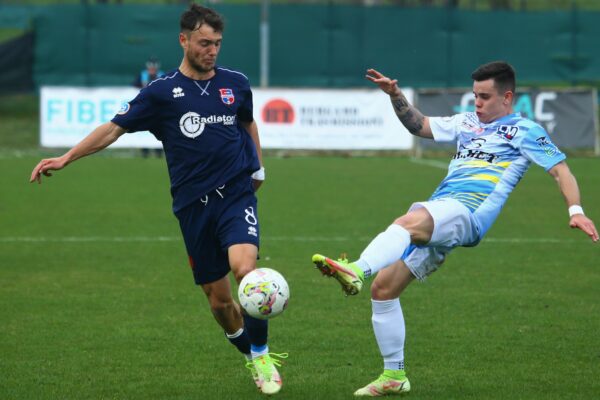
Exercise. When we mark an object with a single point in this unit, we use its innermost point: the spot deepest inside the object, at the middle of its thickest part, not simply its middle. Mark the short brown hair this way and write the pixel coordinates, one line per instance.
(197, 15)
(501, 72)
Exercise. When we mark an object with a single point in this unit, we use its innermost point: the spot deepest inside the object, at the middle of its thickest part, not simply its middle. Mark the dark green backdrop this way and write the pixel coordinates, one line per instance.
(320, 45)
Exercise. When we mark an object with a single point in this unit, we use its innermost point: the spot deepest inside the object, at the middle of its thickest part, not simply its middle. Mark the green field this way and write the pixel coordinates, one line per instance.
(97, 300)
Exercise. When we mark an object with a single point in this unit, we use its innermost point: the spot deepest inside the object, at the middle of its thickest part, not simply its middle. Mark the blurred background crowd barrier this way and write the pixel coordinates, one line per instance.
(309, 45)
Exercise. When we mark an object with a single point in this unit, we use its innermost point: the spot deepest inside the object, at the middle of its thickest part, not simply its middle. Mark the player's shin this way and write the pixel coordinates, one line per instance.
(388, 325)
(241, 340)
(384, 250)
(389, 329)
(258, 330)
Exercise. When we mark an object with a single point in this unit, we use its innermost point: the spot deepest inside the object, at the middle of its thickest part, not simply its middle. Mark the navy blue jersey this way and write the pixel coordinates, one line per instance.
(198, 123)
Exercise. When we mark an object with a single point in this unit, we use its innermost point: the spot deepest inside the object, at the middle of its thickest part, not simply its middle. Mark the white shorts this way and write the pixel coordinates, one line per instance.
(453, 225)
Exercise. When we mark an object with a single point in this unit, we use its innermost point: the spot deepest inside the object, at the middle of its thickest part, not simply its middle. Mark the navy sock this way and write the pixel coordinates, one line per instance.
(241, 340)
(257, 330)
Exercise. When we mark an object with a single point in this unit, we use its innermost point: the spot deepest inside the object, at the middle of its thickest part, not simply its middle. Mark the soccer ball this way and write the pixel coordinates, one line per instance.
(263, 293)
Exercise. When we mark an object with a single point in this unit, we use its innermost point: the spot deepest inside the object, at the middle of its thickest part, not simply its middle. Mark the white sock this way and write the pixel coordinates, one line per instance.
(388, 325)
(385, 249)
(259, 351)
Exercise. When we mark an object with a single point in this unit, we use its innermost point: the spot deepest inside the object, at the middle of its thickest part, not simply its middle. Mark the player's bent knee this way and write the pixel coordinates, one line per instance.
(381, 291)
(242, 271)
(418, 225)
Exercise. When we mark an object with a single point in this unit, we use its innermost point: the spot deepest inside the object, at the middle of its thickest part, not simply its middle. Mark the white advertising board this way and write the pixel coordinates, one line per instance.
(68, 114)
(313, 119)
(326, 119)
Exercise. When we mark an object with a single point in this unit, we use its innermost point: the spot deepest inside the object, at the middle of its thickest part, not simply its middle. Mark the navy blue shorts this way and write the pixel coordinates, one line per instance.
(224, 217)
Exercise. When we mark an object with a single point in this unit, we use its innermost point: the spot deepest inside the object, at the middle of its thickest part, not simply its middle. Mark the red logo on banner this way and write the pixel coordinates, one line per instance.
(278, 111)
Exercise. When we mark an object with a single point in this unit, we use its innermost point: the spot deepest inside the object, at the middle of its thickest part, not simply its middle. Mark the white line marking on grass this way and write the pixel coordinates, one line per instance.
(528, 240)
(79, 239)
(127, 239)
(430, 163)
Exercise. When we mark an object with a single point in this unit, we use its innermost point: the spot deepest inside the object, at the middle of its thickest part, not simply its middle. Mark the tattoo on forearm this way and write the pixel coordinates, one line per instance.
(410, 117)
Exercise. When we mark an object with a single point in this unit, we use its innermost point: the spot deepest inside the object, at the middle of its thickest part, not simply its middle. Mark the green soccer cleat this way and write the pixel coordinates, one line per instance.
(349, 275)
(250, 366)
(384, 386)
(267, 377)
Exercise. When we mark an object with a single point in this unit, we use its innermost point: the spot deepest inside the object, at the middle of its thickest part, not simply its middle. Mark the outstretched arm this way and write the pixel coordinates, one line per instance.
(570, 190)
(98, 139)
(411, 118)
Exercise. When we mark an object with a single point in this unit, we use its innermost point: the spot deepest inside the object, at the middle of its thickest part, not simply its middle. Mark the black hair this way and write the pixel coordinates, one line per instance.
(501, 72)
(197, 15)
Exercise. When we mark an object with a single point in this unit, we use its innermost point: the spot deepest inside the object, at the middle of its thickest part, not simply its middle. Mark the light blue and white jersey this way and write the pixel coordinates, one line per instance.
(490, 160)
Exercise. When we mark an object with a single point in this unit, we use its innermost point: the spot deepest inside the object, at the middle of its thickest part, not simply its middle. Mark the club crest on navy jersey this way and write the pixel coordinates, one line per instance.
(227, 96)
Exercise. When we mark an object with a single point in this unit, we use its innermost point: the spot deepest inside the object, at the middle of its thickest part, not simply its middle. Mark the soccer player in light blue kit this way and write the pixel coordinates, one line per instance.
(495, 147)
(202, 113)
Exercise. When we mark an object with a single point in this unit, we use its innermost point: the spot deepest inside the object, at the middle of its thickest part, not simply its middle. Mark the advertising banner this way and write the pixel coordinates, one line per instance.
(68, 114)
(314, 119)
(568, 115)
(329, 120)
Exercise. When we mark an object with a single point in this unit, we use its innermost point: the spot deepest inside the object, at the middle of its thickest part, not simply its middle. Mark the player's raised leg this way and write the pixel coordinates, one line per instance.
(385, 249)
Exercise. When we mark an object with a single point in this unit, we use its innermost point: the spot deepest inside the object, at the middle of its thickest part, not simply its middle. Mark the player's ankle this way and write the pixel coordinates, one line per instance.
(397, 374)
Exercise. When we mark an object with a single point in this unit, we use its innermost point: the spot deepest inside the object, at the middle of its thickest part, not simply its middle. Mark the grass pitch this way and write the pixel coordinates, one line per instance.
(97, 300)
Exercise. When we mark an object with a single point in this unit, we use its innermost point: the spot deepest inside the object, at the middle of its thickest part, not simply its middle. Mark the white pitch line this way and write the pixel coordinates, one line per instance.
(430, 163)
(129, 239)
(529, 240)
(79, 239)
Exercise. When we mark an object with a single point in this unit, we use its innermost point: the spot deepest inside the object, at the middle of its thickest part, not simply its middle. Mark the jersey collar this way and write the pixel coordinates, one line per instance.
(216, 69)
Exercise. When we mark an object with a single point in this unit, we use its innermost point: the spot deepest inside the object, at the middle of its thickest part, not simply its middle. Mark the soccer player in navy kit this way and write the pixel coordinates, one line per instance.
(202, 113)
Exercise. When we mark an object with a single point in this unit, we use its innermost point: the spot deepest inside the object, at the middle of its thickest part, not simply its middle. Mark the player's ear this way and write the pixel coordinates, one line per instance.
(183, 40)
(508, 98)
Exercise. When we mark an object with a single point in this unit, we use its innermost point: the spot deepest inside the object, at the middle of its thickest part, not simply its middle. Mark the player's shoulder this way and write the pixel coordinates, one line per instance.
(465, 121)
(525, 124)
(165, 80)
(469, 116)
(162, 86)
(456, 119)
(232, 75)
(518, 119)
